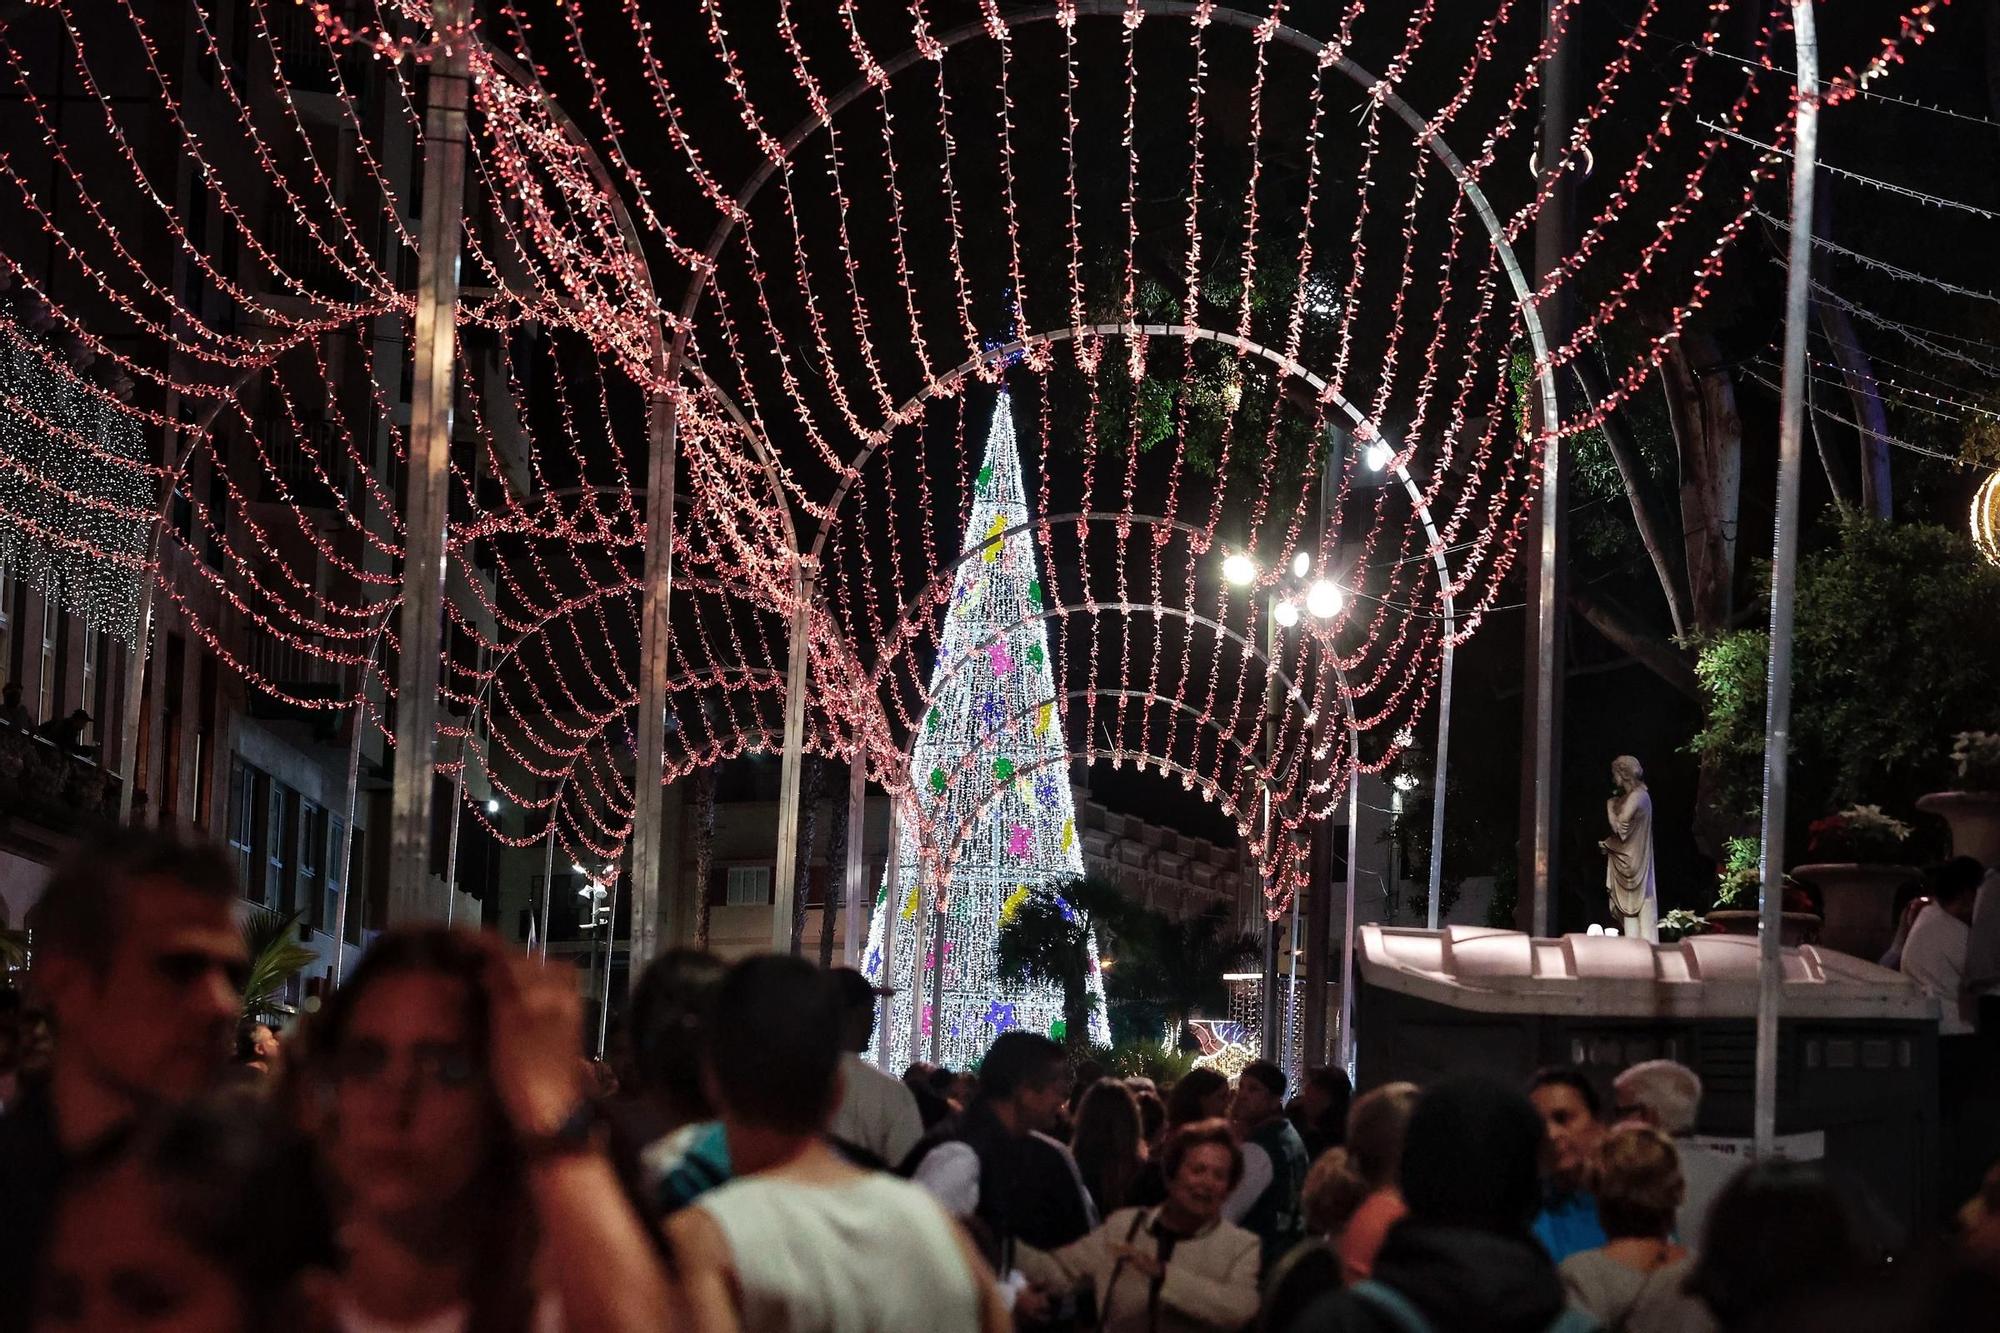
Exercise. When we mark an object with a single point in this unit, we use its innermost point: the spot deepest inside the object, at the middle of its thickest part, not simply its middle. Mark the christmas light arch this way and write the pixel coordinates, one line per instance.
(563, 222)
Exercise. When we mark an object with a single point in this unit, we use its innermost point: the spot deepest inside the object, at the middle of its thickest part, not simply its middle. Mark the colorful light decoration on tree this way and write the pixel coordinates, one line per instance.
(990, 780)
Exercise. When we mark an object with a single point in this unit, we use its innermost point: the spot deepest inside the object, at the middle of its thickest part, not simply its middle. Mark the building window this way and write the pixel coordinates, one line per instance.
(242, 822)
(311, 900)
(336, 831)
(749, 886)
(51, 618)
(279, 838)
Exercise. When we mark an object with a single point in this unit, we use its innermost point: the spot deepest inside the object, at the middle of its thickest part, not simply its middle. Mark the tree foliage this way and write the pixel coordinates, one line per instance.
(1046, 941)
(1897, 632)
(276, 956)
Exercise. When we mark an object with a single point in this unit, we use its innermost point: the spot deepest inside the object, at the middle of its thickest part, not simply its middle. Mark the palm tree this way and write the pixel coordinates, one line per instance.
(1047, 942)
(276, 956)
(1176, 965)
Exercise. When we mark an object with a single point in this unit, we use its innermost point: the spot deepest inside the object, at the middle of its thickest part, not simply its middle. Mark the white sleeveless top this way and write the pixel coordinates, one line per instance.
(876, 1254)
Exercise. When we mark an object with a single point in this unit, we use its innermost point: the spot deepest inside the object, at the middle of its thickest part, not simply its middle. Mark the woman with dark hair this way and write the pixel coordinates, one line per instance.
(1177, 1268)
(1464, 1260)
(207, 1220)
(444, 1089)
(1201, 1094)
(1779, 1235)
(1109, 1144)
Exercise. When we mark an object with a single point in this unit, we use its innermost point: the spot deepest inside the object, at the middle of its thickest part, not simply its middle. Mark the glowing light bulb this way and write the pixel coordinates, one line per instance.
(492, 806)
(1240, 570)
(1301, 562)
(1379, 456)
(1286, 613)
(1324, 599)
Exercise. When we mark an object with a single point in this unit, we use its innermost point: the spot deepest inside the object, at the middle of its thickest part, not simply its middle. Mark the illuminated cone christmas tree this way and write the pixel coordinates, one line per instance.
(989, 771)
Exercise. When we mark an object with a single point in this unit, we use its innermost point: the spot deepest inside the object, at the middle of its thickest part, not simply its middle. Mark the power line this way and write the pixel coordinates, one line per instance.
(1922, 197)
(1883, 265)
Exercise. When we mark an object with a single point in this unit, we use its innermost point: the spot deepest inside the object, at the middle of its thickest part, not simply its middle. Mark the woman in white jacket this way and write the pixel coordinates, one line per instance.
(1178, 1268)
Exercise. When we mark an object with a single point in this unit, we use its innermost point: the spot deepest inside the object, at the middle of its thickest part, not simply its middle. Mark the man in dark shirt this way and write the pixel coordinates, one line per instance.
(141, 965)
(13, 713)
(990, 1166)
(66, 733)
(1274, 1161)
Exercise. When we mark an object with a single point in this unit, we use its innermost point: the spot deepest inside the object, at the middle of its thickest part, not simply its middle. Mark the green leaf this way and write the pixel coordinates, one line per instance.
(276, 956)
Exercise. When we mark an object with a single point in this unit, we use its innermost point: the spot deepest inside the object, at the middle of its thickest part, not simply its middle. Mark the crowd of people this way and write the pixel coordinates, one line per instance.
(430, 1152)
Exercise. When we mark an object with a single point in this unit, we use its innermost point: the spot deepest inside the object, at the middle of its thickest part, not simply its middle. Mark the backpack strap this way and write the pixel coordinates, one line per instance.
(1386, 1300)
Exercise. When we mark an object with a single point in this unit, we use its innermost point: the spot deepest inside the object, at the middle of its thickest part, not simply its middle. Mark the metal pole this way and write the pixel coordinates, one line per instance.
(1346, 1044)
(797, 652)
(610, 938)
(891, 913)
(451, 851)
(1544, 722)
(655, 653)
(917, 923)
(135, 659)
(1292, 995)
(549, 873)
(1449, 606)
(429, 466)
(362, 675)
(1784, 579)
(347, 843)
(938, 923)
(1443, 767)
(857, 864)
(1267, 1036)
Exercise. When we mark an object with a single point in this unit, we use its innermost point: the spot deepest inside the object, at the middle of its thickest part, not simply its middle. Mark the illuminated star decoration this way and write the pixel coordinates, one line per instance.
(1000, 1015)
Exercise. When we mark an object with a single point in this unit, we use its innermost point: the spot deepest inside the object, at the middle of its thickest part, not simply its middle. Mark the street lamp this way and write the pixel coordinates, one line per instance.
(1324, 599)
(1301, 564)
(1240, 570)
(492, 805)
(1378, 456)
(1286, 613)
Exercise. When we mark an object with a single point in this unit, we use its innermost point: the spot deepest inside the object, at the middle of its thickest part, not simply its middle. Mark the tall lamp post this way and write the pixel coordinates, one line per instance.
(1283, 597)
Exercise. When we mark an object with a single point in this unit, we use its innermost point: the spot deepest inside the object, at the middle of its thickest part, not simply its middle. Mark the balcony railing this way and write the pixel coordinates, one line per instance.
(62, 792)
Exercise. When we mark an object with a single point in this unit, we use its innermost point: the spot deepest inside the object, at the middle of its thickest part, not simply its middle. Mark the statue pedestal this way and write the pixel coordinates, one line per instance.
(1860, 904)
(1974, 817)
(1798, 928)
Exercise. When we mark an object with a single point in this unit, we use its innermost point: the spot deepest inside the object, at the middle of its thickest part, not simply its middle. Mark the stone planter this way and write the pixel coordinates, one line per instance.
(1860, 904)
(1974, 817)
(1798, 928)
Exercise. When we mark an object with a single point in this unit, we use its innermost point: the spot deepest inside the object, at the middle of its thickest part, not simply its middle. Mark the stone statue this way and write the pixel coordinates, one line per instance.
(1628, 852)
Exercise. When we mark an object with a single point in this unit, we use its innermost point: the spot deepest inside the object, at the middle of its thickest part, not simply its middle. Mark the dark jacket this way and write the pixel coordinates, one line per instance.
(1026, 1188)
(1463, 1281)
(32, 1167)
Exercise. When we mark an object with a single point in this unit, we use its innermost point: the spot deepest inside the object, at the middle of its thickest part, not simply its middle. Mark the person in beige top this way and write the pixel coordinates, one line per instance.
(1178, 1268)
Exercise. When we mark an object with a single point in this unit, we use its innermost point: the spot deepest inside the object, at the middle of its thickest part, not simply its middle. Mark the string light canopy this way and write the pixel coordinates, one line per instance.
(1235, 265)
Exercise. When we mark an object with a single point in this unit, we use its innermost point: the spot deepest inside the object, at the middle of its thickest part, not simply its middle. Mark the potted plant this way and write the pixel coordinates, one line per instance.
(1736, 909)
(1972, 808)
(1679, 924)
(1857, 864)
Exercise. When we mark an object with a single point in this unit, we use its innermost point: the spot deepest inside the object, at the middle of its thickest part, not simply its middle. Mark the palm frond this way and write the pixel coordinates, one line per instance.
(276, 956)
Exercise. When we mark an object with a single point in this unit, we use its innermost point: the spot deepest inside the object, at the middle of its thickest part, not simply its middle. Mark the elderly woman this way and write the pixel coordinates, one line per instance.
(1177, 1268)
